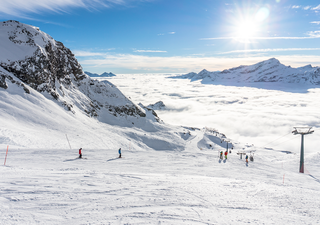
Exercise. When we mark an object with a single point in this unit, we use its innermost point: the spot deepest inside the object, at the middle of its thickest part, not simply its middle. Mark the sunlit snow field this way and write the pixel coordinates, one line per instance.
(157, 187)
(262, 114)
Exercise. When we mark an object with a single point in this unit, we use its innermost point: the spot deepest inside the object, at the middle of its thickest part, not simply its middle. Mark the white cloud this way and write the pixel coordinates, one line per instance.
(316, 22)
(296, 6)
(316, 8)
(22, 7)
(259, 38)
(306, 7)
(147, 51)
(315, 34)
(271, 50)
(86, 53)
(166, 33)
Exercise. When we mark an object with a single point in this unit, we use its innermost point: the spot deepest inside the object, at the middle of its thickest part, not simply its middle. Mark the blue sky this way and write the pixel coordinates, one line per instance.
(176, 36)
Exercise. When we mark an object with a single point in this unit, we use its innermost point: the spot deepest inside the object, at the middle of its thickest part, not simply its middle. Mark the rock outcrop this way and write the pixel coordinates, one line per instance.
(33, 60)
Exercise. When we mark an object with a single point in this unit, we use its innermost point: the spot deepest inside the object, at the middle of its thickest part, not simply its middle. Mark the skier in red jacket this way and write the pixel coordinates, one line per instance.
(226, 154)
(80, 154)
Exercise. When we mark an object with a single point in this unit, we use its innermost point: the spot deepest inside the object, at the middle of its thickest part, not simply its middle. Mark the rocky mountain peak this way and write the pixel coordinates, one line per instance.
(42, 64)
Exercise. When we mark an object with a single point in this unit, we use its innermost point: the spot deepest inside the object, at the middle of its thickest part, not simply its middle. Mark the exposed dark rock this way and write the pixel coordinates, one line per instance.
(3, 83)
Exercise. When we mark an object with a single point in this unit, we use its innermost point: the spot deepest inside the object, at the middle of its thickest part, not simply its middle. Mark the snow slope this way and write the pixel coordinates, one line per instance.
(33, 121)
(157, 187)
(270, 70)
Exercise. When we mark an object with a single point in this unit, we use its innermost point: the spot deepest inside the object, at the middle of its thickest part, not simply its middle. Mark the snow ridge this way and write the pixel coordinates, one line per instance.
(270, 70)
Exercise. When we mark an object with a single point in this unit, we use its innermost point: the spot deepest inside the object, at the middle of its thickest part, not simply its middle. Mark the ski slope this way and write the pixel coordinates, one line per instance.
(192, 186)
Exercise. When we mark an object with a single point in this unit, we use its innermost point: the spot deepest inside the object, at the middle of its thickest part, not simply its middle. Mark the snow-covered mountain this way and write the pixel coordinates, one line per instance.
(270, 70)
(32, 59)
(105, 74)
(44, 92)
(157, 106)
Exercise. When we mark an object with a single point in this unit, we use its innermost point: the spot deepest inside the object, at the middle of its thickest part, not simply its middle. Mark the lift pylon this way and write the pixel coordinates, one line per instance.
(302, 131)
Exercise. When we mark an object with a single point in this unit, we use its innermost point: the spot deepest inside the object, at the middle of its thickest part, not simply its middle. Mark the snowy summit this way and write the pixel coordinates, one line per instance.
(157, 106)
(270, 70)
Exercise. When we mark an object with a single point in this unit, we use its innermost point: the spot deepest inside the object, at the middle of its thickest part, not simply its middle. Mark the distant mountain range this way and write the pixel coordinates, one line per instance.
(270, 70)
(105, 74)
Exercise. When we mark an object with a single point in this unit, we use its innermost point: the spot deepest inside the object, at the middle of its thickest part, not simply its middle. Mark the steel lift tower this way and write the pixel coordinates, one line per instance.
(303, 131)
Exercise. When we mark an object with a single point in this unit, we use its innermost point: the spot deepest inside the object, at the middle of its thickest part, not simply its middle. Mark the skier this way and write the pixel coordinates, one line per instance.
(80, 154)
(119, 152)
(221, 154)
(246, 158)
(226, 154)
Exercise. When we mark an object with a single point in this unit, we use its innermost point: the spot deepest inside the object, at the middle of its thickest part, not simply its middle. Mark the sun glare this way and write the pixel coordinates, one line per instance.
(249, 25)
(246, 30)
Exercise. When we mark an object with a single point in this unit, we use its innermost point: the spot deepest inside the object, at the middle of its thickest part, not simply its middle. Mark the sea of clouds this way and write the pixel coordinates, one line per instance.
(262, 114)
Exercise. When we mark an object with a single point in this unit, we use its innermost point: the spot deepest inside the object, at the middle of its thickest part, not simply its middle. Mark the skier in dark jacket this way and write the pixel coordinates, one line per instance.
(246, 158)
(80, 153)
(119, 152)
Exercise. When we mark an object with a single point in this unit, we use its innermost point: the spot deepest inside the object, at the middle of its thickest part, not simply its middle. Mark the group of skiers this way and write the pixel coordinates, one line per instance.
(225, 154)
(221, 155)
(80, 152)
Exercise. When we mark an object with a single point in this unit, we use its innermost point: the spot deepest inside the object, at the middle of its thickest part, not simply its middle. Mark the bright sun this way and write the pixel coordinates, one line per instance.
(246, 30)
(247, 27)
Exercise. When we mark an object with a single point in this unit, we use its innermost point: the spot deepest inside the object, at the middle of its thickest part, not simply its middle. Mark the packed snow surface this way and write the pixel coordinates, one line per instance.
(192, 186)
